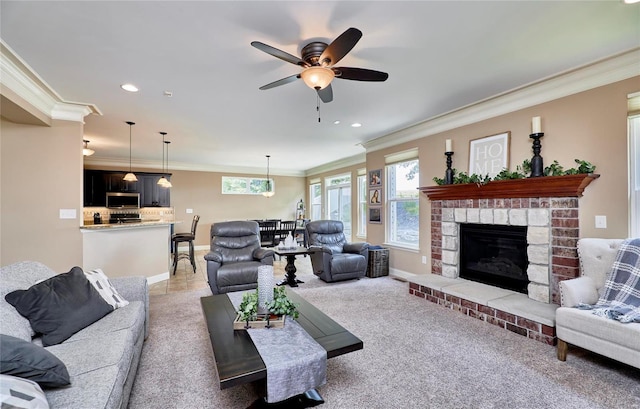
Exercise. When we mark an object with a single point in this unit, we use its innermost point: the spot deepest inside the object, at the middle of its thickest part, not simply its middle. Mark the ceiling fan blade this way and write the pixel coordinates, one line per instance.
(359, 74)
(279, 53)
(326, 94)
(282, 81)
(340, 47)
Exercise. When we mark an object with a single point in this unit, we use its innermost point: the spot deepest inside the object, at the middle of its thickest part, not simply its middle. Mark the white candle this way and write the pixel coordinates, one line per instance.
(447, 146)
(535, 125)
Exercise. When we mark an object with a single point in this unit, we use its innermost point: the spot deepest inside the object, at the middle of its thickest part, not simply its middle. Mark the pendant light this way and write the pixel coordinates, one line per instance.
(167, 183)
(130, 177)
(269, 189)
(163, 180)
(85, 150)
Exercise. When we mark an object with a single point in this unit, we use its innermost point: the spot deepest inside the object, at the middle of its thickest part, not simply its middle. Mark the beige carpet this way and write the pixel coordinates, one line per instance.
(416, 355)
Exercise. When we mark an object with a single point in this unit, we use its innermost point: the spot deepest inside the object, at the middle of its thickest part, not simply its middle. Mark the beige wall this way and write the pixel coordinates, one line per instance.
(41, 173)
(591, 125)
(202, 192)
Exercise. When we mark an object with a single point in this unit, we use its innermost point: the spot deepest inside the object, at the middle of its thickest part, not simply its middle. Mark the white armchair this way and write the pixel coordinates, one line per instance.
(581, 327)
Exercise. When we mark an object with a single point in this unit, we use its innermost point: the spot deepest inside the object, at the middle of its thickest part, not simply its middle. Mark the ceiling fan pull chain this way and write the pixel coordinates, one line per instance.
(318, 106)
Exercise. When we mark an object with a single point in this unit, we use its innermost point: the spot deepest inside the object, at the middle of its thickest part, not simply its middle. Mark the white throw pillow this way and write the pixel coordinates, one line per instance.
(21, 393)
(104, 287)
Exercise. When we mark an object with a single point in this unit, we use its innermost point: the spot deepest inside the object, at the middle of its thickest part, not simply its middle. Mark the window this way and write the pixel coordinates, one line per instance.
(339, 201)
(402, 226)
(362, 206)
(634, 174)
(245, 186)
(315, 194)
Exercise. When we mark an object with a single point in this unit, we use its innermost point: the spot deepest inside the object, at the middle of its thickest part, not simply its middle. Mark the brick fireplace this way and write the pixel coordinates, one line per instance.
(547, 206)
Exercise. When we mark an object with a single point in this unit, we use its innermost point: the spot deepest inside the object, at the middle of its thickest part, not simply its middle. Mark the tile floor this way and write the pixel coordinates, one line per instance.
(186, 280)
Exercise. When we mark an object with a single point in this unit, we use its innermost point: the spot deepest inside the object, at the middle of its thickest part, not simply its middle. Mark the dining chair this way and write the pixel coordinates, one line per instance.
(268, 230)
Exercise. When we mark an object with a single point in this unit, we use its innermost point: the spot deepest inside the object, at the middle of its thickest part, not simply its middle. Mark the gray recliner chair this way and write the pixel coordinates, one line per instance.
(232, 263)
(332, 258)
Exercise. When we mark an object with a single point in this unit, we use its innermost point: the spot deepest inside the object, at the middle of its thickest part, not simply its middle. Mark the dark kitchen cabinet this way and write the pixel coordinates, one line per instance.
(114, 182)
(98, 182)
(152, 194)
(95, 191)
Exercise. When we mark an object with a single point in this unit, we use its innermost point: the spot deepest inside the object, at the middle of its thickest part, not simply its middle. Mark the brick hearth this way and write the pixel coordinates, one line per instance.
(548, 206)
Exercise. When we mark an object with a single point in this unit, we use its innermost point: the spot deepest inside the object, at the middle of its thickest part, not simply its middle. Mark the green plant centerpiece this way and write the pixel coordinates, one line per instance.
(279, 306)
(521, 172)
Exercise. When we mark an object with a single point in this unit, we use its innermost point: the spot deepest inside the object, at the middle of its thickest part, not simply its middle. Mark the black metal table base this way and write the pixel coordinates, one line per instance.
(308, 399)
(290, 277)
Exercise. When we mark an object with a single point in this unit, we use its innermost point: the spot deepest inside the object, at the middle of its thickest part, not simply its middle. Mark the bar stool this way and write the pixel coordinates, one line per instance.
(178, 238)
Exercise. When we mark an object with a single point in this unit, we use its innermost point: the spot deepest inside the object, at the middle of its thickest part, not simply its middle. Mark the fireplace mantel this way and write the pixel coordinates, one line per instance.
(546, 186)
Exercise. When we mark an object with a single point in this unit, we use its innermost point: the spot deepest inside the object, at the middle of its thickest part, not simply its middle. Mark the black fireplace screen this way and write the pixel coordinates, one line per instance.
(494, 255)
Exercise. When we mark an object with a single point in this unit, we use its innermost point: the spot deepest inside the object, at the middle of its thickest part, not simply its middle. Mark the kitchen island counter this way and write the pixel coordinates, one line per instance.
(129, 249)
(144, 223)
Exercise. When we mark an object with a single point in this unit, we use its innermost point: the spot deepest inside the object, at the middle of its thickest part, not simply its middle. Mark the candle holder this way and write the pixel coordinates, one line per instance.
(537, 168)
(448, 174)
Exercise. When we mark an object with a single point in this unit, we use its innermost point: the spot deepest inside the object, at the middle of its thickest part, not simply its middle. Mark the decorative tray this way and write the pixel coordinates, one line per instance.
(261, 321)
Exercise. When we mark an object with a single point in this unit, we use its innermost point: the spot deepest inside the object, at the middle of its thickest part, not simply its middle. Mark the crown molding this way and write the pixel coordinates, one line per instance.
(153, 165)
(18, 77)
(603, 72)
(355, 160)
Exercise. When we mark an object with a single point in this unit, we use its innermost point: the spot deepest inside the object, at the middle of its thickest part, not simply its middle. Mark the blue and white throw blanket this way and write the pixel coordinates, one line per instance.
(621, 298)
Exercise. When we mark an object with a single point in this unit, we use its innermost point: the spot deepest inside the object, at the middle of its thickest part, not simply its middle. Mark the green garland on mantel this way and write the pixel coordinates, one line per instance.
(521, 172)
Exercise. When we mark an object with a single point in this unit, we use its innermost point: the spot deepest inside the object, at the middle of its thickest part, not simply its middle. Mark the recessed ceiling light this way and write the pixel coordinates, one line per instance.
(168, 94)
(336, 122)
(129, 87)
(356, 125)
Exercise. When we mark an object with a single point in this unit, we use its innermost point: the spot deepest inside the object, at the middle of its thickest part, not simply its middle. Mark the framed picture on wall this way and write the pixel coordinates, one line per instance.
(375, 196)
(375, 177)
(375, 215)
(489, 155)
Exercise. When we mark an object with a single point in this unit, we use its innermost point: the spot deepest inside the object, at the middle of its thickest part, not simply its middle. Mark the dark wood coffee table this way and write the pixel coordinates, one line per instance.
(237, 359)
(290, 268)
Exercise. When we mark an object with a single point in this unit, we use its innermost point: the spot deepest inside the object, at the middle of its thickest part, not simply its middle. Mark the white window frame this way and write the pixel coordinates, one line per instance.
(249, 181)
(391, 200)
(329, 186)
(362, 206)
(315, 209)
(634, 176)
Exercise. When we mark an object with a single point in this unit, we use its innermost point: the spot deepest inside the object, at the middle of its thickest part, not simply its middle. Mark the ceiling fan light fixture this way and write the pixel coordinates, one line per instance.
(317, 77)
(85, 150)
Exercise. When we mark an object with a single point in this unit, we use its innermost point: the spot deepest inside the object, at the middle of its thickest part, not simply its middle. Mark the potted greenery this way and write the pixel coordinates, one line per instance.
(278, 308)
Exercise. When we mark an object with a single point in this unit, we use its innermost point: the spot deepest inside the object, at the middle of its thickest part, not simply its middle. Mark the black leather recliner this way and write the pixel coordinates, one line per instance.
(236, 254)
(332, 258)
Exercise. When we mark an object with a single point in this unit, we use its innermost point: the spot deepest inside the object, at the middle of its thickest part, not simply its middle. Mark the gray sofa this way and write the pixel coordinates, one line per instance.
(332, 257)
(611, 338)
(101, 359)
(236, 254)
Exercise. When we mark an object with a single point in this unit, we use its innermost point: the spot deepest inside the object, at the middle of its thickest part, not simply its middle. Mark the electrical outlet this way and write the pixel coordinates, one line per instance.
(424, 259)
(67, 213)
(601, 222)
(189, 211)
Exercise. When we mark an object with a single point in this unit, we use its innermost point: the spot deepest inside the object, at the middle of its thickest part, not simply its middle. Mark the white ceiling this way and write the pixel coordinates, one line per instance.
(439, 55)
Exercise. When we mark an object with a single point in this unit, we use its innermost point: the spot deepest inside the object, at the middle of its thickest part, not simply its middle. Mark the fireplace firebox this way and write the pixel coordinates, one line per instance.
(494, 255)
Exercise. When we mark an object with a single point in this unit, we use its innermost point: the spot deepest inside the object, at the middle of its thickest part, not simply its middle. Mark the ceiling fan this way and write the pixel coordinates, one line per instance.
(318, 60)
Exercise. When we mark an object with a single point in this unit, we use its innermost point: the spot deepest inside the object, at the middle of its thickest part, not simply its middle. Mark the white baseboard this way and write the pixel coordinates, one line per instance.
(157, 278)
(400, 274)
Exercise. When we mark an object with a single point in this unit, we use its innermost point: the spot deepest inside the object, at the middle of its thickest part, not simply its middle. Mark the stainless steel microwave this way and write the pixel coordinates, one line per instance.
(120, 200)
